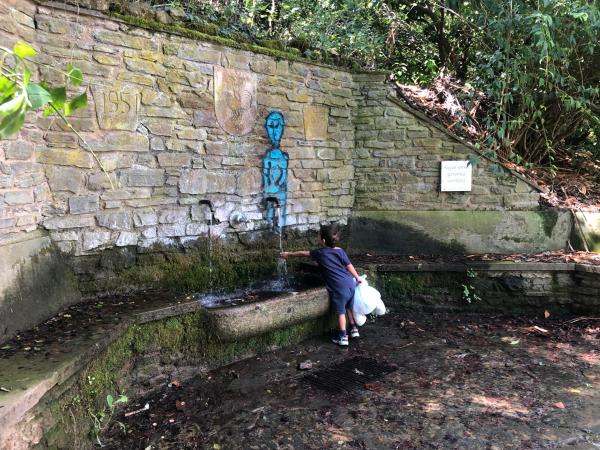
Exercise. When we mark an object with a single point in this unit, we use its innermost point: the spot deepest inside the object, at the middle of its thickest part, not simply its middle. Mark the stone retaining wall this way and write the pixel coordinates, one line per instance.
(397, 159)
(493, 286)
(151, 120)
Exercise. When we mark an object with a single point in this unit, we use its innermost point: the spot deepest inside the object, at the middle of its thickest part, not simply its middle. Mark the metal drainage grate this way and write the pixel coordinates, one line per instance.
(349, 375)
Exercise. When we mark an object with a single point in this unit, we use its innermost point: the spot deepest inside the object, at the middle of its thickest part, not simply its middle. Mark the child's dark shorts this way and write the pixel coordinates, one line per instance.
(341, 300)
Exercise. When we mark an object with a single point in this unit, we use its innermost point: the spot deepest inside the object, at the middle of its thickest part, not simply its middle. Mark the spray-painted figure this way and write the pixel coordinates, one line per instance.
(275, 164)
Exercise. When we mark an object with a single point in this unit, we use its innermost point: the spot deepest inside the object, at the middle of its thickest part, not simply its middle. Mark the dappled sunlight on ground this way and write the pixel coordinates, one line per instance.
(508, 407)
(459, 382)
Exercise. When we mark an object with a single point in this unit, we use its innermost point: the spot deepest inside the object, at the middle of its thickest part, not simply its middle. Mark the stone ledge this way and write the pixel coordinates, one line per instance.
(31, 378)
(491, 266)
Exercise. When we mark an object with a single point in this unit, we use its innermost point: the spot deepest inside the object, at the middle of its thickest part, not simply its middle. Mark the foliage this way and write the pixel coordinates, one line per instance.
(539, 64)
(19, 95)
(469, 292)
(102, 419)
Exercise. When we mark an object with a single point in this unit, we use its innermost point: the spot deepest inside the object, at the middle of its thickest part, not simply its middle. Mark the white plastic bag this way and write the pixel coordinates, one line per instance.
(360, 319)
(380, 308)
(366, 300)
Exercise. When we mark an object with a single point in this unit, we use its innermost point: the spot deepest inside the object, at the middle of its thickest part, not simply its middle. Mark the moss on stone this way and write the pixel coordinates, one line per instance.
(187, 337)
(549, 218)
(210, 33)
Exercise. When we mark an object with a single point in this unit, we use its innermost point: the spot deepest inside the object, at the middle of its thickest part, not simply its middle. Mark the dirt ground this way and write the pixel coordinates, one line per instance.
(412, 381)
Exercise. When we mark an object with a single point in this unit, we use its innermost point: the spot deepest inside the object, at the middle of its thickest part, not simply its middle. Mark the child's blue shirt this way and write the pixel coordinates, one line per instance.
(333, 263)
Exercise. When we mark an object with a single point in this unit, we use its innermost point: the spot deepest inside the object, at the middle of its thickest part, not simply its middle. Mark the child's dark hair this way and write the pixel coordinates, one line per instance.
(330, 234)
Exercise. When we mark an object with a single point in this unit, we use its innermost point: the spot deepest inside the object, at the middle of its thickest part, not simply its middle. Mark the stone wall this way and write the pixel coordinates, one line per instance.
(560, 288)
(398, 154)
(152, 123)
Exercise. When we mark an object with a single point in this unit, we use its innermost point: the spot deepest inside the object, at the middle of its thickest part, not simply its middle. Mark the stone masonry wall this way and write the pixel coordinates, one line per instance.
(397, 160)
(151, 121)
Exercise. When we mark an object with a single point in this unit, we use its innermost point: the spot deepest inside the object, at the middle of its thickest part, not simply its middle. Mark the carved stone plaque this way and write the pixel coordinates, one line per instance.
(235, 100)
(117, 107)
(316, 119)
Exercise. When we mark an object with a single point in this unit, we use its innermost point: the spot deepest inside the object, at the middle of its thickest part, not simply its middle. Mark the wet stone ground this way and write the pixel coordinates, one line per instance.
(412, 381)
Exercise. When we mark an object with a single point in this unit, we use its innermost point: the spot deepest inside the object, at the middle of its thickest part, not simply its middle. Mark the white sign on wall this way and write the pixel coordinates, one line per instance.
(456, 176)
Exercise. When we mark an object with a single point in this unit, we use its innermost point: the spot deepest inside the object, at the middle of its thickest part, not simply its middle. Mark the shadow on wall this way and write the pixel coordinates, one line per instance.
(450, 232)
(36, 284)
(391, 238)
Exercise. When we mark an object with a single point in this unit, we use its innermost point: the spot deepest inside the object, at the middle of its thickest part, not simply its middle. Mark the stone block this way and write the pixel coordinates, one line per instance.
(61, 178)
(326, 153)
(145, 217)
(199, 181)
(66, 222)
(306, 205)
(144, 66)
(84, 204)
(115, 220)
(95, 239)
(106, 60)
(174, 160)
(76, 158)
(18, 197)
(126, 238)
(316, 121)
(249, 182)
(428, 143)
(119, 141)
(266, 66)
(100, 180)
(124, 40)
(145, 177)
(196, 229)
(149, 233)
(196, 52)
(342, 173)
(160, 127)
(19, 150)
(171, 230)
(174, 215)
(136, 78)
(393, 135)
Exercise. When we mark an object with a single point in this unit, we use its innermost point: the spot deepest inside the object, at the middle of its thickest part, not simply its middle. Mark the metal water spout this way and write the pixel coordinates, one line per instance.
(213, 220)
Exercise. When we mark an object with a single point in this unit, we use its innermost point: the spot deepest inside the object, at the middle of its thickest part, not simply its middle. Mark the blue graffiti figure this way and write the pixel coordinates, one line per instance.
(275, 165)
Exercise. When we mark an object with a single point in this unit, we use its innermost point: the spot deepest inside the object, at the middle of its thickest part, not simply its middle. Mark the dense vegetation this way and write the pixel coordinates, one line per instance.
(529, 70)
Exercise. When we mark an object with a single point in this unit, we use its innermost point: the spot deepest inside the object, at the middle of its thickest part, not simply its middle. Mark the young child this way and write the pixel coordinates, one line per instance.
(339, 274)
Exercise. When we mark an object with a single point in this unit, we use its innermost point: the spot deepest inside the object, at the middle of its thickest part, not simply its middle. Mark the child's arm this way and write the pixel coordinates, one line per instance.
(298, 253)
(352, 271)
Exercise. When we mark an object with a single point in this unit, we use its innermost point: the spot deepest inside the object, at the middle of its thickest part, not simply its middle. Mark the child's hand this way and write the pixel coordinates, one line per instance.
(284, 254)
(358, 280)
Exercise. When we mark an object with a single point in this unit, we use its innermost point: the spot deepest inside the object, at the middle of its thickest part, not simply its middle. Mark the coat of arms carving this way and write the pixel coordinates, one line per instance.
(235, 100)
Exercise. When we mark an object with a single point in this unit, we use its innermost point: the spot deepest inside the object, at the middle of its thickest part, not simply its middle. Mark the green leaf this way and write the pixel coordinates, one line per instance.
(58, 97)
(109, 401)
(12, 105)
(73, 105)
(7, 88)
(74, 74)
(37, 95)
(12, 123)
(22, 50)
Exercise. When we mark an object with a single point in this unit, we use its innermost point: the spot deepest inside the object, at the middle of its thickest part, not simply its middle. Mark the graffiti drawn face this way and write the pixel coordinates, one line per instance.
(274, 126)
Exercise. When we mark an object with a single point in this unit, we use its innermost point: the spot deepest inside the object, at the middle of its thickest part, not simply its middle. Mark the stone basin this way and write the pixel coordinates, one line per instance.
(232, 323)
